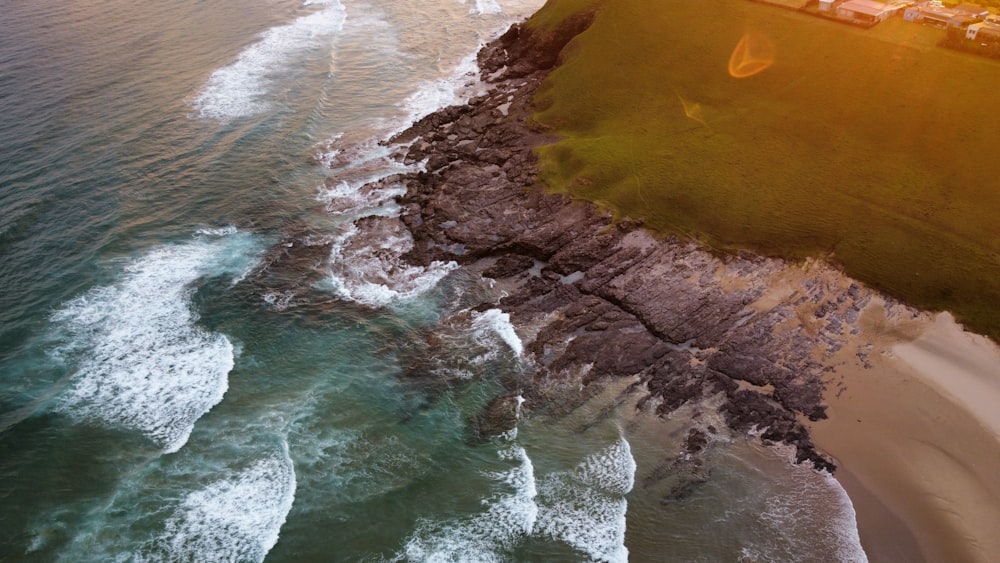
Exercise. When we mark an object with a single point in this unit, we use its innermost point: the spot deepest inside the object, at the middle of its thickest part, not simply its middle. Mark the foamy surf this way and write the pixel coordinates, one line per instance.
(484, 7)
(353, 192)
(585, 508)
(497, 322)
(240, 88)
(367, 266)
(142, 362)
(488, 536)
(237, 518)
(836, 532)
(366, 261)
(458, 87)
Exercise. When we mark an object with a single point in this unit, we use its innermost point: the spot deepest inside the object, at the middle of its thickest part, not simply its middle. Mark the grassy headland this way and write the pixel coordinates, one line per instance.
(872, 148)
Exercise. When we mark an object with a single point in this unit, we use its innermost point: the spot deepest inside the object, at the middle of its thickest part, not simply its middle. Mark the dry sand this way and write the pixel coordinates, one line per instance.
(915, 424)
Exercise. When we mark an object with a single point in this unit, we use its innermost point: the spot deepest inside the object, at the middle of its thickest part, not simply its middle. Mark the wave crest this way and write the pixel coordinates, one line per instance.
(238, 89)
(234, 519)
(143, 363)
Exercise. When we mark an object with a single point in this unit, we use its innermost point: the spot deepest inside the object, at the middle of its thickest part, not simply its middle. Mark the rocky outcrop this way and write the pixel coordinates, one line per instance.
(610, 299)
(599, 299)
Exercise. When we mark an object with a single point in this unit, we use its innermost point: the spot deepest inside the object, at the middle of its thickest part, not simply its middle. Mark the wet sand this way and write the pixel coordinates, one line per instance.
(914, 421)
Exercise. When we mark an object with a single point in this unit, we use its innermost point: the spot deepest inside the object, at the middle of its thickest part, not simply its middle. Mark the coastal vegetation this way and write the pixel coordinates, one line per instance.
(874, 149)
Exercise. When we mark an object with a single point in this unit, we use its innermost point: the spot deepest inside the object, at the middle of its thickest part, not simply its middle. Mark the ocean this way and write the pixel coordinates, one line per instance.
(156, 406)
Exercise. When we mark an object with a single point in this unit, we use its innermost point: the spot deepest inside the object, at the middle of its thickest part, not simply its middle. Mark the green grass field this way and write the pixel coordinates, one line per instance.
(872, 148)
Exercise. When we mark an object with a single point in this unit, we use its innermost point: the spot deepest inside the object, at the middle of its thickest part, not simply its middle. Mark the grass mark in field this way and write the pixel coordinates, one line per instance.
(693, 110)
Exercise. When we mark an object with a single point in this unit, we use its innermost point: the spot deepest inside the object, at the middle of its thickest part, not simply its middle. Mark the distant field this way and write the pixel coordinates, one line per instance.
(872, 148)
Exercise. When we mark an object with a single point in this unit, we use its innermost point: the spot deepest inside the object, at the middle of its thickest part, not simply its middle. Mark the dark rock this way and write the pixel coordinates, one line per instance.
(509, 265)
(696, 441)
(499, 416)
(612, 299)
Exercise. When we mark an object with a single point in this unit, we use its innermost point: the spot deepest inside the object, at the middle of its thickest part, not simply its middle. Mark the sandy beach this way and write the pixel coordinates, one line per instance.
(913, 422)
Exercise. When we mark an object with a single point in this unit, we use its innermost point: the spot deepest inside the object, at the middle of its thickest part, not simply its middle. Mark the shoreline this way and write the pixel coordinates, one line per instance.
(800, 350)
(921, 404)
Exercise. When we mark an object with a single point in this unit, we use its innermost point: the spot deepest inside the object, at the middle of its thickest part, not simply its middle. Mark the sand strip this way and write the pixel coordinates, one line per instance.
(915, 421)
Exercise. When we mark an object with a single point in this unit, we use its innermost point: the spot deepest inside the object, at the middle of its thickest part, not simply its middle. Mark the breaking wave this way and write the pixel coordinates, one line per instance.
(498, 322)
(234, 519)
(485, 537)
(367, 265)
(143, 363)
(585, 508)
(238, 89)
(366, 262)
(484, 7)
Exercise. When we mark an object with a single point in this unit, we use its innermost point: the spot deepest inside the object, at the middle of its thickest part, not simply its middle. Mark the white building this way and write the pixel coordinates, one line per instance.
(985, 31)
(866, 11)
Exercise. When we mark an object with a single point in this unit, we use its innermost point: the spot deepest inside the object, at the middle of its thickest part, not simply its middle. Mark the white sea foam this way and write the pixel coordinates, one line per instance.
(585, 508)
(458, 87)
(239, 89)
(484, 7)
(143, 362)
(364, 160)
(367, 266)
(237, 518)
(366, 261)
(485, 537)
(836, 532)
(795, 512)
(217, 231)
(279, 300)
(469, 343)
(352, 193)
(845, 529)
(498, 322)
(355, 201)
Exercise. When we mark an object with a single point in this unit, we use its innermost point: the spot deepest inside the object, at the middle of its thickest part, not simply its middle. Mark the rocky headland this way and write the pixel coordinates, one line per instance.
(609, 299)
(597, 298)
(727, 343)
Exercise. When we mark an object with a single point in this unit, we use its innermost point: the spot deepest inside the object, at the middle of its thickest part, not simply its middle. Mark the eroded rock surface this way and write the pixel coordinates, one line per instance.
(599, 299)
(611, 299)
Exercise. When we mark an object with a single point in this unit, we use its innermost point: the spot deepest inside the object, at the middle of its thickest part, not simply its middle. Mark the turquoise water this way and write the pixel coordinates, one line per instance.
(156, 404)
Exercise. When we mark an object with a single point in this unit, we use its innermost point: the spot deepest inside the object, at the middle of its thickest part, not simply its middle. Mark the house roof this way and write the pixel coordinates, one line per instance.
(935, 12)
(987, 27)
(971, 9)
(869, 7)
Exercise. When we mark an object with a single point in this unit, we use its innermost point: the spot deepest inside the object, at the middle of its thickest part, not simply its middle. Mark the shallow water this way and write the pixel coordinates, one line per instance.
(156, 405)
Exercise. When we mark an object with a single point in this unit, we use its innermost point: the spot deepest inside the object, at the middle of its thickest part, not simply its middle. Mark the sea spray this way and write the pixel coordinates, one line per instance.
(499, 323)
(142, 363)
